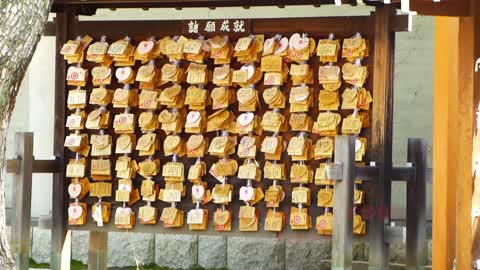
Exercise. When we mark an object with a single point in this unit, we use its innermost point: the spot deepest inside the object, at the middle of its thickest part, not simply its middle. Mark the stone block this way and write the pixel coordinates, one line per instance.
(80, 246)
(255, 253)
(307, 254)
(212, 251)
(176, 251)
(41, 245)
(125, 249)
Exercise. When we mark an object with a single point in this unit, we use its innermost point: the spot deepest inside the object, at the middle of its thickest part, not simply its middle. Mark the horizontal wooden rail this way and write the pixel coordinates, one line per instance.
(39, 165)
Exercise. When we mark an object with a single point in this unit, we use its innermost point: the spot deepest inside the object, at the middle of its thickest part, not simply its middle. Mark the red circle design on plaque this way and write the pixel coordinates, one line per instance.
(270, 79)
(296, 219)
(71, 141)
(323, 224)
(122, 120)
(147, 103)
(74, 76)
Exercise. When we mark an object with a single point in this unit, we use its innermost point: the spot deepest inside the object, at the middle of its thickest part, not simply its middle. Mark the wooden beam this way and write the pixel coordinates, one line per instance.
(98, 251)
(468, 106)
(342, 238)
(445, 141)
(22, 187)
(61, 249)
(442, 8)
(49, 30)
(60, 5)
(381, 149)
(416, 246)
(468, 230)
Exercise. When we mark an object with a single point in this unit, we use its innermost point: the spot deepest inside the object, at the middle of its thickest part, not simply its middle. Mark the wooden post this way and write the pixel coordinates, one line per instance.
(445, 142)
(468, 229)
(381, 149)
(22, 187)
(416, 246)
(60, 254)
(342, 239)
(98, 250)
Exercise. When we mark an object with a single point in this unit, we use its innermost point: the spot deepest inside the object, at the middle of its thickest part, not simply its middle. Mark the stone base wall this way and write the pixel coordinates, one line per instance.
(210, 252)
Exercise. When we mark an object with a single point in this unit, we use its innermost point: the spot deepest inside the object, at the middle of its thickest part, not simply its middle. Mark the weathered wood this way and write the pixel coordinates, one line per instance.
(381, 146)
(445, 142)
(47, 166)
(468, 106)
(22, 201)
(403, 174)
(59, 5)
(342, 238)
(474, 115)
(440, 8)
(13, 165)
(97, 251)
(49, 30)
(39, 166)
(416, 246)
(60, 252)
(367, 173)
(395, 234)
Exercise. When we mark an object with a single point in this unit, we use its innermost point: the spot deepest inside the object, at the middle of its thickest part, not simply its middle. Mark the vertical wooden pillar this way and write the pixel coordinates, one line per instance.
(98, 251)
(342, 239)
(445, 142)
(416, 245)
(382, 135)
(22, 187)
(60, 254)
(468, 148)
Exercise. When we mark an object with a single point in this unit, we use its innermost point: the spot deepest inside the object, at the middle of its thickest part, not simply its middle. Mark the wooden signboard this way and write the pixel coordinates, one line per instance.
(378, 29)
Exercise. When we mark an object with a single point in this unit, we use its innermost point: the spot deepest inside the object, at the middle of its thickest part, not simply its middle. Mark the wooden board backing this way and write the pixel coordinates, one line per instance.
(342, 27)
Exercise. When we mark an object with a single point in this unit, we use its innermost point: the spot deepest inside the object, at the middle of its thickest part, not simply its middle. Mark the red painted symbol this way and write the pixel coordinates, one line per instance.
(270, 79)
(74, 76)
(122, 120)
(323, 224)
(147, 103)
(71, 141)
(296, 220)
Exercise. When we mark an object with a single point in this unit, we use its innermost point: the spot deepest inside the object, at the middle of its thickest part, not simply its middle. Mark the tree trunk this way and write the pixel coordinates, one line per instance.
(21, 26)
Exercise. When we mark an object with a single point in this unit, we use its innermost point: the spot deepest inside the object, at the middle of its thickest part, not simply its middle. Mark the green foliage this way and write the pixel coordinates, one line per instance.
(77, 265)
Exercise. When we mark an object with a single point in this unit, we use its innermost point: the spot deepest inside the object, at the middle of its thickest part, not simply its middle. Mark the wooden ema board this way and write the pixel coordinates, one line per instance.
(342, 27)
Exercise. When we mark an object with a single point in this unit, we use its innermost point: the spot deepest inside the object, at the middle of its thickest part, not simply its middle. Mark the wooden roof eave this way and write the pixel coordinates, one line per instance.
(89, 7)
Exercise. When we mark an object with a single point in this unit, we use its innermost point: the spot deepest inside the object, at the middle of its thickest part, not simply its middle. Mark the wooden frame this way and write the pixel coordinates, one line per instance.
(384, 23)
(89, 7)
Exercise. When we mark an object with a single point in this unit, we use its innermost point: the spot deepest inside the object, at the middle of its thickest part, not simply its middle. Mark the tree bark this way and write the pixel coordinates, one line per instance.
(21, 26)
